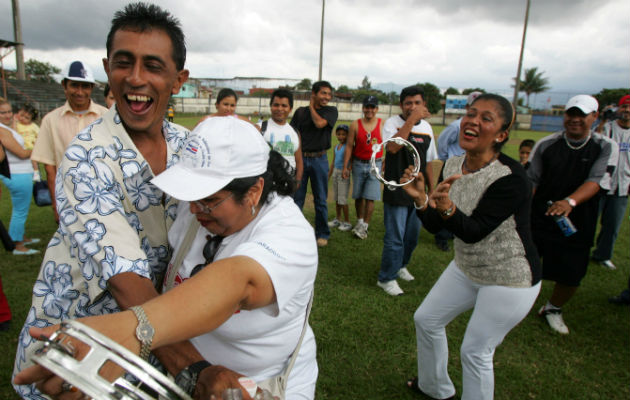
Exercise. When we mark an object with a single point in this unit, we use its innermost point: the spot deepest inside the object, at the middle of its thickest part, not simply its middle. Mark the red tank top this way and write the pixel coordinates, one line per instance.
(365, 140)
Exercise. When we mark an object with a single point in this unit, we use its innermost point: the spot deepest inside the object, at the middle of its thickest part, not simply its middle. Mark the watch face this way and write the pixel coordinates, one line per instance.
(186, 380)
(145, 332)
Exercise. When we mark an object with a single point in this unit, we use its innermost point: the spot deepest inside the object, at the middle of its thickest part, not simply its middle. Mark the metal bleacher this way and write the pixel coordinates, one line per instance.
(43, 95)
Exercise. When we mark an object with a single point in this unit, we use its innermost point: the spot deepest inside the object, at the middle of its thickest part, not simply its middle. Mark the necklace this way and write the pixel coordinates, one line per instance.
(576, 147)
(470, 171)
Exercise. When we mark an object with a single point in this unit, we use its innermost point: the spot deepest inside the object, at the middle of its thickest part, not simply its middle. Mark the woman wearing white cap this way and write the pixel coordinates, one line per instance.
(253, 257)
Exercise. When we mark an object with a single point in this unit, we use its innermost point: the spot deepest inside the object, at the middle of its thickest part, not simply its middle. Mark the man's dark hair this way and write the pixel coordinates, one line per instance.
(526, 143)
(411, 91)
(106, 90)
(282, 94)
(317, 86)
(143, 17)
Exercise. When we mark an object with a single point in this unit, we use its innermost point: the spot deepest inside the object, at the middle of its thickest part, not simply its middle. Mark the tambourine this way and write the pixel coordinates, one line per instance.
(392, 185)
(57, 355)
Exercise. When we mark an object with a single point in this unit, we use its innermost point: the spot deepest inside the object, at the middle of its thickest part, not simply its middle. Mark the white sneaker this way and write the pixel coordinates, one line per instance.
(345, 226)
(405, 275)
(390, 287)
(607, 264)
(360, 231)
(554, 319)
(334, 223)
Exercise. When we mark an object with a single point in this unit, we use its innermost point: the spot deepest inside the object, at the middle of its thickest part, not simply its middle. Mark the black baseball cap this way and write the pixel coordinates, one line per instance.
(370, 101)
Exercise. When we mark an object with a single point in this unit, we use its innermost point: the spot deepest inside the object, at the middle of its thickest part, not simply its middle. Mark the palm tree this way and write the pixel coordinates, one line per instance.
(533, 82)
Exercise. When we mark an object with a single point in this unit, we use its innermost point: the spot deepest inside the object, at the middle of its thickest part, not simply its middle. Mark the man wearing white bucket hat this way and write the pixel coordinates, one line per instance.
(61, 125)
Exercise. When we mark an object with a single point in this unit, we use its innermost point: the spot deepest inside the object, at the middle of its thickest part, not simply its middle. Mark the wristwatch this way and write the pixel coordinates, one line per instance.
(571, 202)
(187, 377)
(144, 331)
(448, 212)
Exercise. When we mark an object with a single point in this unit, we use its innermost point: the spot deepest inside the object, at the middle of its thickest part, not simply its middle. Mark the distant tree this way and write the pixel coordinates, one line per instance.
(343, 89)
(365, 83)
(470, 90)
(40, 71)
(533, 82)
(450, 90)
(610, 96)
(304, 84)
(432, 96)
(260, 93)
(393, 98)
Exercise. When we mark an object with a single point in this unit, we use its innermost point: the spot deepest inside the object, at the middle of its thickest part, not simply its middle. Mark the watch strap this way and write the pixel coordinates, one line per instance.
(198, 366)
(448, 212)
(187, 378)
(144, 331)
(571, 202)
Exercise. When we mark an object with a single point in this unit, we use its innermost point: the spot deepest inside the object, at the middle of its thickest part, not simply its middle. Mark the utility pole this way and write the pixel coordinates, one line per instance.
(517, 81)
(321, 43)
(17, 33)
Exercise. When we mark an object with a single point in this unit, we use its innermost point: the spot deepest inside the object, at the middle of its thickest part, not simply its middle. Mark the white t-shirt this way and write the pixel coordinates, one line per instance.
(393, 124)
(282, 139)
(17, 165)
(258, 343)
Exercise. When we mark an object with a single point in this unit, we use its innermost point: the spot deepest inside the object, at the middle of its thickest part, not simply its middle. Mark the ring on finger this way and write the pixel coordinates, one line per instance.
(68, 387)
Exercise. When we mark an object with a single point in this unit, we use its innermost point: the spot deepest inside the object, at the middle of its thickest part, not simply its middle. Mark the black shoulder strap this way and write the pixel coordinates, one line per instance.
(263, 127)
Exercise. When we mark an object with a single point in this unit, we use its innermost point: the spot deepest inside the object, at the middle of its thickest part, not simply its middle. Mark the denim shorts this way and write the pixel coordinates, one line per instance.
(365, 185)
(340, 187)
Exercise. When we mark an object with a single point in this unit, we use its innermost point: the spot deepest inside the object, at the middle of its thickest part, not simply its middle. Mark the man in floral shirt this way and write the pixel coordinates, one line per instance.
(111, 248)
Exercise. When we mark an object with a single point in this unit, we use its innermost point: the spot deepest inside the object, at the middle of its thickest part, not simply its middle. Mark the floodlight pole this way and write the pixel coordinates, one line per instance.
(321, 43)
(517, 81)
(19, 48)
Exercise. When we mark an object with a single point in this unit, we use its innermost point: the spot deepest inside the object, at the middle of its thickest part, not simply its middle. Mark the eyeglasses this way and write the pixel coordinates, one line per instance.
(209, 251)
(207, 210)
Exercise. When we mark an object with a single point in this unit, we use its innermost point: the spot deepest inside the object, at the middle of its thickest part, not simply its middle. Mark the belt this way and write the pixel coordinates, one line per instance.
(362, 161)
(313, 154)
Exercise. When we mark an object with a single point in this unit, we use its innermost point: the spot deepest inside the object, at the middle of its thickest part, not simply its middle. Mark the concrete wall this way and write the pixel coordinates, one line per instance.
(255, 106)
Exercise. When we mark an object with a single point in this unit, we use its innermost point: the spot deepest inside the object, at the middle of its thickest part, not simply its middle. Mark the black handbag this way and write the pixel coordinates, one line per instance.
(4, 167)
(41, 195)
(7, 242)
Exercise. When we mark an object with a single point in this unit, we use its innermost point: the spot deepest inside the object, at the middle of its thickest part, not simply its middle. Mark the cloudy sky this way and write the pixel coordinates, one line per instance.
(581, 45)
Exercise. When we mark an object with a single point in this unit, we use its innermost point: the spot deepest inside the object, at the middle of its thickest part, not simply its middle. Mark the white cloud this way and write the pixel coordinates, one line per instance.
(580, 45)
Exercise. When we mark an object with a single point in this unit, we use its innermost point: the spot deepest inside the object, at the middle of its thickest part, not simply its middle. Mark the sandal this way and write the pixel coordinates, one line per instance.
(413, 385)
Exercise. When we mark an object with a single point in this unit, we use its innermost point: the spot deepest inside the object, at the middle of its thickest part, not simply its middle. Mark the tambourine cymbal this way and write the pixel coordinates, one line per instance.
(392, 185)
(57, 355)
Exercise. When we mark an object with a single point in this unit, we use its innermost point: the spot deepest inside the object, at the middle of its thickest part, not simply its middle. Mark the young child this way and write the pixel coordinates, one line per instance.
(109, 96)
(226, 104)
(340, 186)
(524, 149)
(28, 130)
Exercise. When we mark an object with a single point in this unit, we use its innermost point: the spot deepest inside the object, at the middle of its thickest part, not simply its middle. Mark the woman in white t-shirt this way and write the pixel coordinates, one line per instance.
(21, 182)
(244, 301)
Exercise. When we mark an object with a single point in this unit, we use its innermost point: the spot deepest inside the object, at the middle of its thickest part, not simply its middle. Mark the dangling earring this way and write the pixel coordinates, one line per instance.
(253, 210)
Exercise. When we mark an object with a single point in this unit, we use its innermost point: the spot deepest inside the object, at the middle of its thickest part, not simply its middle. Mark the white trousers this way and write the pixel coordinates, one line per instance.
(497, 309)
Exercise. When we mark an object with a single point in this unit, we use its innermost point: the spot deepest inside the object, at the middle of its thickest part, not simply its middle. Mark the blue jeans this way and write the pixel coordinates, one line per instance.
(21, 189)
(612, 210)
(402, 228)
(316, 168)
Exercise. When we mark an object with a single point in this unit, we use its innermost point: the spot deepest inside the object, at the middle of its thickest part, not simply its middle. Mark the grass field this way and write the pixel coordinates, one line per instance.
(366, 339)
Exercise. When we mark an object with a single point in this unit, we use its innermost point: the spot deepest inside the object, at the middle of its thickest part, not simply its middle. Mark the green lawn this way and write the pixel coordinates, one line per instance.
(366, 339)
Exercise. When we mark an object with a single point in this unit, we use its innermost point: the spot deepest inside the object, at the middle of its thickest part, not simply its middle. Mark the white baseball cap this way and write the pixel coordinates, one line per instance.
(587, 104)
(78, 71)
(218, 150)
